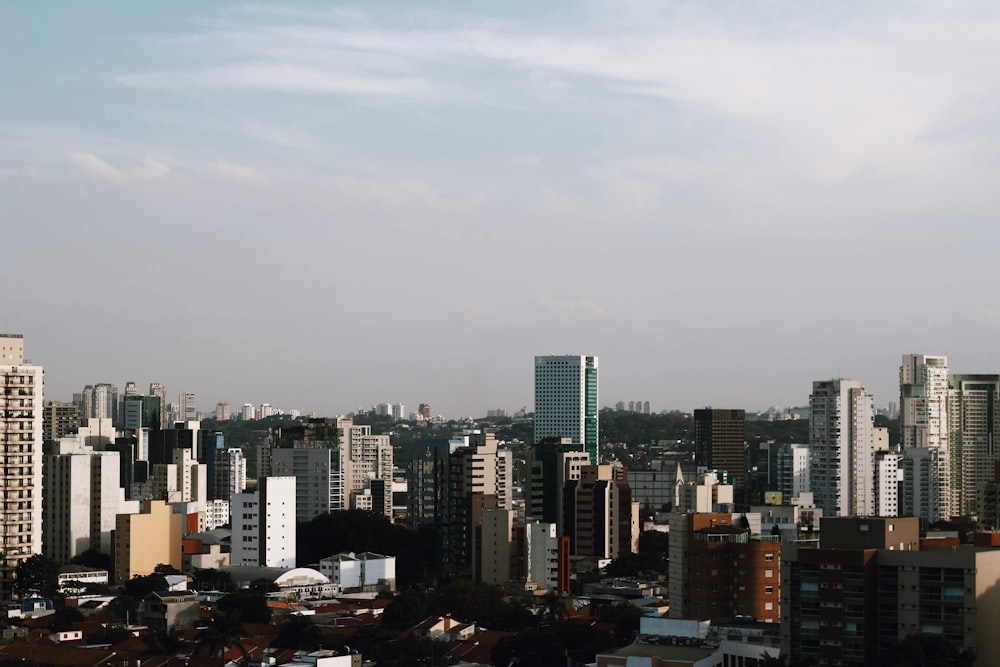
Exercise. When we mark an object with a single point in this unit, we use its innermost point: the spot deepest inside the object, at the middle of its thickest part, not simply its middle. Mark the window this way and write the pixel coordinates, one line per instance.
(768, 573)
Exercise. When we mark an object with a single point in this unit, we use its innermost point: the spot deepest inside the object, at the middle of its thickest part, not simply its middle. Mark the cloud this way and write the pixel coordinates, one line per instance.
(95, 167)
(21, 172)
(234, 171)
(287, 78)
(581, 305)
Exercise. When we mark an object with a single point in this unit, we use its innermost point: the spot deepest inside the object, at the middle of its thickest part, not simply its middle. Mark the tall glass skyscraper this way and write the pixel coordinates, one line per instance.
(566, 400)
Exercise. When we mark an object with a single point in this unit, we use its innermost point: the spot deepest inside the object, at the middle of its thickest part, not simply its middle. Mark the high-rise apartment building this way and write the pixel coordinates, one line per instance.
(974, 427)
(318, 467)
(223, 412)
(98, 401)
(83, 495)
(842, 467)
(551, 466)
(263, 524)
(793, 471)
(566, 400)
(923, 423)
(60, 419)
(719, 569)
(21, 401)
(188, 411)
(720, 443)
(888, 476)
(158, 390)
(870, 584)
(600, 517)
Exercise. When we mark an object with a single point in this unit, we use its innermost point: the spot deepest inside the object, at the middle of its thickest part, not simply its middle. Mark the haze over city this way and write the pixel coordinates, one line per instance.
(332, 207)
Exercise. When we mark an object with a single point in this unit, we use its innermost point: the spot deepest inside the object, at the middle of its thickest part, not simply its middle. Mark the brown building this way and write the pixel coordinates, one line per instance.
(600, 517)
(58, 420)
(720, 571)
(849, 601)
(720, 443)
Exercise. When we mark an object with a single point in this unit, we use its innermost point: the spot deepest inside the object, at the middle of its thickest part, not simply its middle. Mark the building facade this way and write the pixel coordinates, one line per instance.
(841, 423)
(566, 400)
(720, 443)
(263, 524)
(21, 400)
(923, 423)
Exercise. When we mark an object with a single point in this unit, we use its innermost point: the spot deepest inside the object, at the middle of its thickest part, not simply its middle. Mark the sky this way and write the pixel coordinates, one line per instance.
(325, 206)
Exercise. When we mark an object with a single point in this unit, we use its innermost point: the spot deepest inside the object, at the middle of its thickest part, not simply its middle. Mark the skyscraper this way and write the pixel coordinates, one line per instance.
(842, 456)
(720, 442)
(923, 421)
(21, 401)
(974, 426)
(566, 400)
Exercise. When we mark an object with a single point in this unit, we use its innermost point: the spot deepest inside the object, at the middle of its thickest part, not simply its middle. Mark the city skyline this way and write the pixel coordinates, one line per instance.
(326, 208)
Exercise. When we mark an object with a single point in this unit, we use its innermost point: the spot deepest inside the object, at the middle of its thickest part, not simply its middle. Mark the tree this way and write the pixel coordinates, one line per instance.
(298, 632)
(63, 619)
(532, 648)
(92, 558)
(37, 575)
(208, 579)
(223, 632)
(247, 607)
(139, 586)
(626, 617)
(164, 642)
(408, 608)
(166, 569)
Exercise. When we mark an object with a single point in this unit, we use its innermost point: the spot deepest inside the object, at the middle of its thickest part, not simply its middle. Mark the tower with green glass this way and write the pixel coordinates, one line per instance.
(566, 400)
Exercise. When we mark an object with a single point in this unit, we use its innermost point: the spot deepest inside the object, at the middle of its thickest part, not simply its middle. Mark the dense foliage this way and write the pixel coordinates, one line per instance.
(417, 552)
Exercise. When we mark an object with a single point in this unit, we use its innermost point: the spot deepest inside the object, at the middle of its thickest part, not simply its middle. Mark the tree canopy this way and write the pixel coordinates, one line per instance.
(37, 575)
(418, 552)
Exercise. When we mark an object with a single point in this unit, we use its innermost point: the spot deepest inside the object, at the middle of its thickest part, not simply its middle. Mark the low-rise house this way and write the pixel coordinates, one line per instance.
(167, 610)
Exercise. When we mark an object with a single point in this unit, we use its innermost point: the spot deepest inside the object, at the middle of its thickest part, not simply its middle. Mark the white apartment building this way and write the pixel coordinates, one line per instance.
(923, 420)
(888, 475)
(543, 554)
(841, 440)
(21, 400)
(974, 427)
(82, 494)
(263, 524)
(188, 411)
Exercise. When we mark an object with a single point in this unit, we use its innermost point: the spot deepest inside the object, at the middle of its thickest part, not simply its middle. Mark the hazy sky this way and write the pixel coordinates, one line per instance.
(326, 206)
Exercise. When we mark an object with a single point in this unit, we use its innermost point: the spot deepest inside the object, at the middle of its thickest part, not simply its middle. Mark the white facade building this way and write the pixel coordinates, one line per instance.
(793, 470)
(263, 524)
(566, 400)
(923, 420)
(974, 427)
(21, 400)
(365, 571)
(82, 494)
(888, 476)
(230, 472)
(543, 554)
(841, 441)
